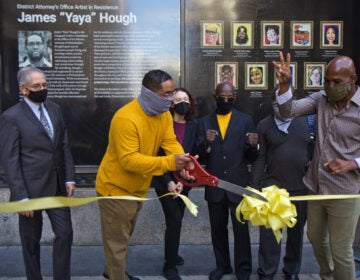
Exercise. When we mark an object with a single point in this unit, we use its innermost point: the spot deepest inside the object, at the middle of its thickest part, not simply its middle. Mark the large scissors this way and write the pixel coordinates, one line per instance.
(204, 178)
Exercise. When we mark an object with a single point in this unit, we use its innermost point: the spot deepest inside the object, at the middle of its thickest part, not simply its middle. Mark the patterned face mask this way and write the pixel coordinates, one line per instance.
(337, 93)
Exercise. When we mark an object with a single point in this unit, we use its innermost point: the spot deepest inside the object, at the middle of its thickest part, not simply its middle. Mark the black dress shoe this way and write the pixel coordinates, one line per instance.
(179, 260)
(105, 275)
(171, 273)
(246, 276)
(291, 277)
(218, 273)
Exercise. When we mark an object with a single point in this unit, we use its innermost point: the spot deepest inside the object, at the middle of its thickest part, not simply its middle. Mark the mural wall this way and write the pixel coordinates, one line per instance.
(238, 40)
(95, 55)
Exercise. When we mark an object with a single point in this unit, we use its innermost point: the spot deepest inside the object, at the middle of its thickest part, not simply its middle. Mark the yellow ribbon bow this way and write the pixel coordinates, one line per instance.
(276, 214)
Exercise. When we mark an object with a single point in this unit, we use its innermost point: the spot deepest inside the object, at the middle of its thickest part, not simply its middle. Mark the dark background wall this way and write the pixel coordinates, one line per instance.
(177, 49)
(199, 66)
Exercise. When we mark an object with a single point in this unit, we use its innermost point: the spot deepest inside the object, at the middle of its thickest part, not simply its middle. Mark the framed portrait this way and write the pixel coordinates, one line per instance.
(301, 34)
(226, 72)
(35, 49)
(293, 69)
(212, 34)
(331, 34)
(242, 34)
(256, 75)
(272, 34)
(314, 73)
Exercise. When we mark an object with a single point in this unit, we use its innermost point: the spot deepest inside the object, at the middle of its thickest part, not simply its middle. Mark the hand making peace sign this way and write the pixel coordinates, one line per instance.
(283, 72)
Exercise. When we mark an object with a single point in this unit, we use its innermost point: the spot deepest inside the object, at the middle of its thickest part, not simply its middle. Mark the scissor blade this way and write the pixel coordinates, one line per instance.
(239, 190)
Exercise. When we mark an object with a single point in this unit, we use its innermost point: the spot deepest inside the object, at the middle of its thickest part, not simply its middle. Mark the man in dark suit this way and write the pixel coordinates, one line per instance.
(37, 162)
(227, 145)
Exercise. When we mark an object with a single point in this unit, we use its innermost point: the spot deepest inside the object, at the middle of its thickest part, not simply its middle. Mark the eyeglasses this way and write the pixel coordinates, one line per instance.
(37, 87)
(226, 98)
(209, 33)
(168, 94)
(226, 74)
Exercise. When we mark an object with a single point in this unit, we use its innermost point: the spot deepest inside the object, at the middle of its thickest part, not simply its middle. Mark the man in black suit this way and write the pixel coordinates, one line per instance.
(227, 145)
(37, 162)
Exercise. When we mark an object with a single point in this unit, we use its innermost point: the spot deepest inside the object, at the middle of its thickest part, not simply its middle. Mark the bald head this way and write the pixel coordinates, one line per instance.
(340, 72)
(340, 64)
(224, 87)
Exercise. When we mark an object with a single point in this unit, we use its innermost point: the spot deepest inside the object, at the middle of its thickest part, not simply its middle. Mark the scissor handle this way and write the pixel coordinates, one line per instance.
(199, 173)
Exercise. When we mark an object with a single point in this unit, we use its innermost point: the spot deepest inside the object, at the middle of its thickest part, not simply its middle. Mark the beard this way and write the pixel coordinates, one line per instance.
(35, 55)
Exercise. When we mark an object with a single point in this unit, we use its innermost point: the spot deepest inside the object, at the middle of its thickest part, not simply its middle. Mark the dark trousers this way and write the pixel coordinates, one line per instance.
(219, 216)
(270, 250)
(30, 234)
(174, 212)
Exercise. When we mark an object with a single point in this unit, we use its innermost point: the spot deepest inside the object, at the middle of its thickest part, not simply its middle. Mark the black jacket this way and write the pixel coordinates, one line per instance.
(228, 158)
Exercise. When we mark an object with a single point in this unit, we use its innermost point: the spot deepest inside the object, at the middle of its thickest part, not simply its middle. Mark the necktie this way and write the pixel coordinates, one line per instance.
(45, 122)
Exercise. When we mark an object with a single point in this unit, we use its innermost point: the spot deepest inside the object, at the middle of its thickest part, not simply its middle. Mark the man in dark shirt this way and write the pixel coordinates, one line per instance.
(282, 161)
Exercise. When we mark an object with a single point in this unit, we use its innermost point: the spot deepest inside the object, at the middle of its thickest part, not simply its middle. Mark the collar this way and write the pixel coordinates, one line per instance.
(356, 97)
(34, 106)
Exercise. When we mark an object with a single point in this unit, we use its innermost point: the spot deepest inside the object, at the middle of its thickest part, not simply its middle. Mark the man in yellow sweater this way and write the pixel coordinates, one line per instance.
(137, 132)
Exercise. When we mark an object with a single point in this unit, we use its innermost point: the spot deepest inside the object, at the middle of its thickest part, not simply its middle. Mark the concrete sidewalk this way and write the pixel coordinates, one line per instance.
(144, 261)
(191, 277)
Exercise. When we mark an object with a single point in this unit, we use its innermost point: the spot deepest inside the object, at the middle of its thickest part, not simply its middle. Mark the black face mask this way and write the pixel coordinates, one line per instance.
(223, 107)
(182, 108)
(37, 96)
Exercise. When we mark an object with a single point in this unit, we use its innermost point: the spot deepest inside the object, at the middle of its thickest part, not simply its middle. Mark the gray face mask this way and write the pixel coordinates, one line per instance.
(153, 104)
(337, 93)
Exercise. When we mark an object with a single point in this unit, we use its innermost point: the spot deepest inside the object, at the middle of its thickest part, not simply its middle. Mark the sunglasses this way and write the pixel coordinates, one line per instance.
(226, 98)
